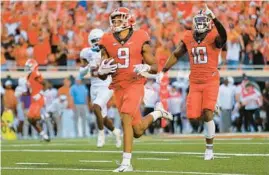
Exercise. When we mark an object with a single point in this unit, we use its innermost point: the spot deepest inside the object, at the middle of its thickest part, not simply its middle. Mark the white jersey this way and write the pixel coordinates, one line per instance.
(18, 93)
(50, 95)
(57, 107)
(94, 59)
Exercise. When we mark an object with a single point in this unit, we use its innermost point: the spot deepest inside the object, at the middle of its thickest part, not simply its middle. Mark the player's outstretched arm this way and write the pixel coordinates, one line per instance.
(222, 38)
(173, 58)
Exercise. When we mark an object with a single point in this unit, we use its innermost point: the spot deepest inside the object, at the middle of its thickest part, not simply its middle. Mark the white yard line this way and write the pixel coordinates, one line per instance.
(105, 170)
(216, 157)
(31, 163)
(151, 158)
(95, 161)
(139, 152)
(139, 143)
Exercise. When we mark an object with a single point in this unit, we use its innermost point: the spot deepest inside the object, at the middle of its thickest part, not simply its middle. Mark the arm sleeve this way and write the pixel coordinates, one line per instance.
(145, 37)
(222, 38)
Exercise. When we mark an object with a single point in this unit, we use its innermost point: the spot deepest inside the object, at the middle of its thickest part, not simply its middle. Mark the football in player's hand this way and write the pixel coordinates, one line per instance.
(109, 59)
(112, 63)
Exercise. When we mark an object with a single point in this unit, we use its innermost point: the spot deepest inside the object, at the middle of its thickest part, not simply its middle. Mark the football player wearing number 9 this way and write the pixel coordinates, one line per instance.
(130, 51)
(203, 45)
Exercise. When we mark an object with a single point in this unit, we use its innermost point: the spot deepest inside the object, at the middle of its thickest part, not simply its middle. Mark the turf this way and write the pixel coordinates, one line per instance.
(66, 156)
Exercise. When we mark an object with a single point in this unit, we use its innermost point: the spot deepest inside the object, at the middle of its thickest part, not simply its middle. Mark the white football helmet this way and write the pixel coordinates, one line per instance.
(94, 37)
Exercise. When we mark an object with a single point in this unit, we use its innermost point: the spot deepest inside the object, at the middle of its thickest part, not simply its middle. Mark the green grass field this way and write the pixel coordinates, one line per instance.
(151, 156)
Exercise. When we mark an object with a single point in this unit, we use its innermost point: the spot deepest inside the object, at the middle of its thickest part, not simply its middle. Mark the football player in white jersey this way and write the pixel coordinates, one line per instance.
(100, 93)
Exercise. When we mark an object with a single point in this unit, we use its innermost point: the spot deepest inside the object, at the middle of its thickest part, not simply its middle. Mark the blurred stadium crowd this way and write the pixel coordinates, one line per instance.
(53, 32)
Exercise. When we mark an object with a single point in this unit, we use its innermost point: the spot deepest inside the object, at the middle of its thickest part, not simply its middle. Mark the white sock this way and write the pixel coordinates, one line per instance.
(102, 132)
(156, 115)
(209, 146)
(126, 158)
(115, 131)
(209, 129)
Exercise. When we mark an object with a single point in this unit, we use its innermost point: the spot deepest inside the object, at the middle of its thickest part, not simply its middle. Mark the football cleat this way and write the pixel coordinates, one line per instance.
(209, 155)
(45, 138)
(124, 168)
(165, 114)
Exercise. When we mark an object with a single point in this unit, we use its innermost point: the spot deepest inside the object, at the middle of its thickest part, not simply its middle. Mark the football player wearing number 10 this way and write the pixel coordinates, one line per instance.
(126, 54)
(203, 45)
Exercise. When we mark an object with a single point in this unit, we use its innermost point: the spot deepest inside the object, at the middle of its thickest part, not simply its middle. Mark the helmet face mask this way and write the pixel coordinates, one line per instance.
(95, 43)
(201, 23)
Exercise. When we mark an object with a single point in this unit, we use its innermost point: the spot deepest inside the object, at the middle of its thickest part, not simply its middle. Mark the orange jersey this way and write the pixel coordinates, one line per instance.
(203, 57)
(126, 55)
(34, 81)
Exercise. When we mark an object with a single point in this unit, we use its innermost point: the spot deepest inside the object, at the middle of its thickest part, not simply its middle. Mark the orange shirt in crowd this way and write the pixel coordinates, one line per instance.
(20, 54)
(24, 19)
(32, 33)
(41, 52)
(55, 39)
(66, 91)
(10, 100)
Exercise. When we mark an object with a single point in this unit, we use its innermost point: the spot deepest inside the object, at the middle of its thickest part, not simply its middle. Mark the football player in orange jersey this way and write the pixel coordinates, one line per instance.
(127, 55)
(36, 85)
(203, 44)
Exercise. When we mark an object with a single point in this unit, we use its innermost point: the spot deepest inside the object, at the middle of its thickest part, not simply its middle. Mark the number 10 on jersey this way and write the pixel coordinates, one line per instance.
(199, 55)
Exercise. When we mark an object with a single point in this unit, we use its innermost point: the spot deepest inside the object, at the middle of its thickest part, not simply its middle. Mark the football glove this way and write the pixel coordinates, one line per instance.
(209, 12)
(107, 66)
(141, 68)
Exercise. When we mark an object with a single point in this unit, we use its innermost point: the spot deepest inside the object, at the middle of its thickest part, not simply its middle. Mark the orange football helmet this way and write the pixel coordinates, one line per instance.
(125, 21)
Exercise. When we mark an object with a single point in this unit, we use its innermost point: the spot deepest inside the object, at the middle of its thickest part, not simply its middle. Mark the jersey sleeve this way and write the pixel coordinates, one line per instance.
(144, 36)
(102, 41)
